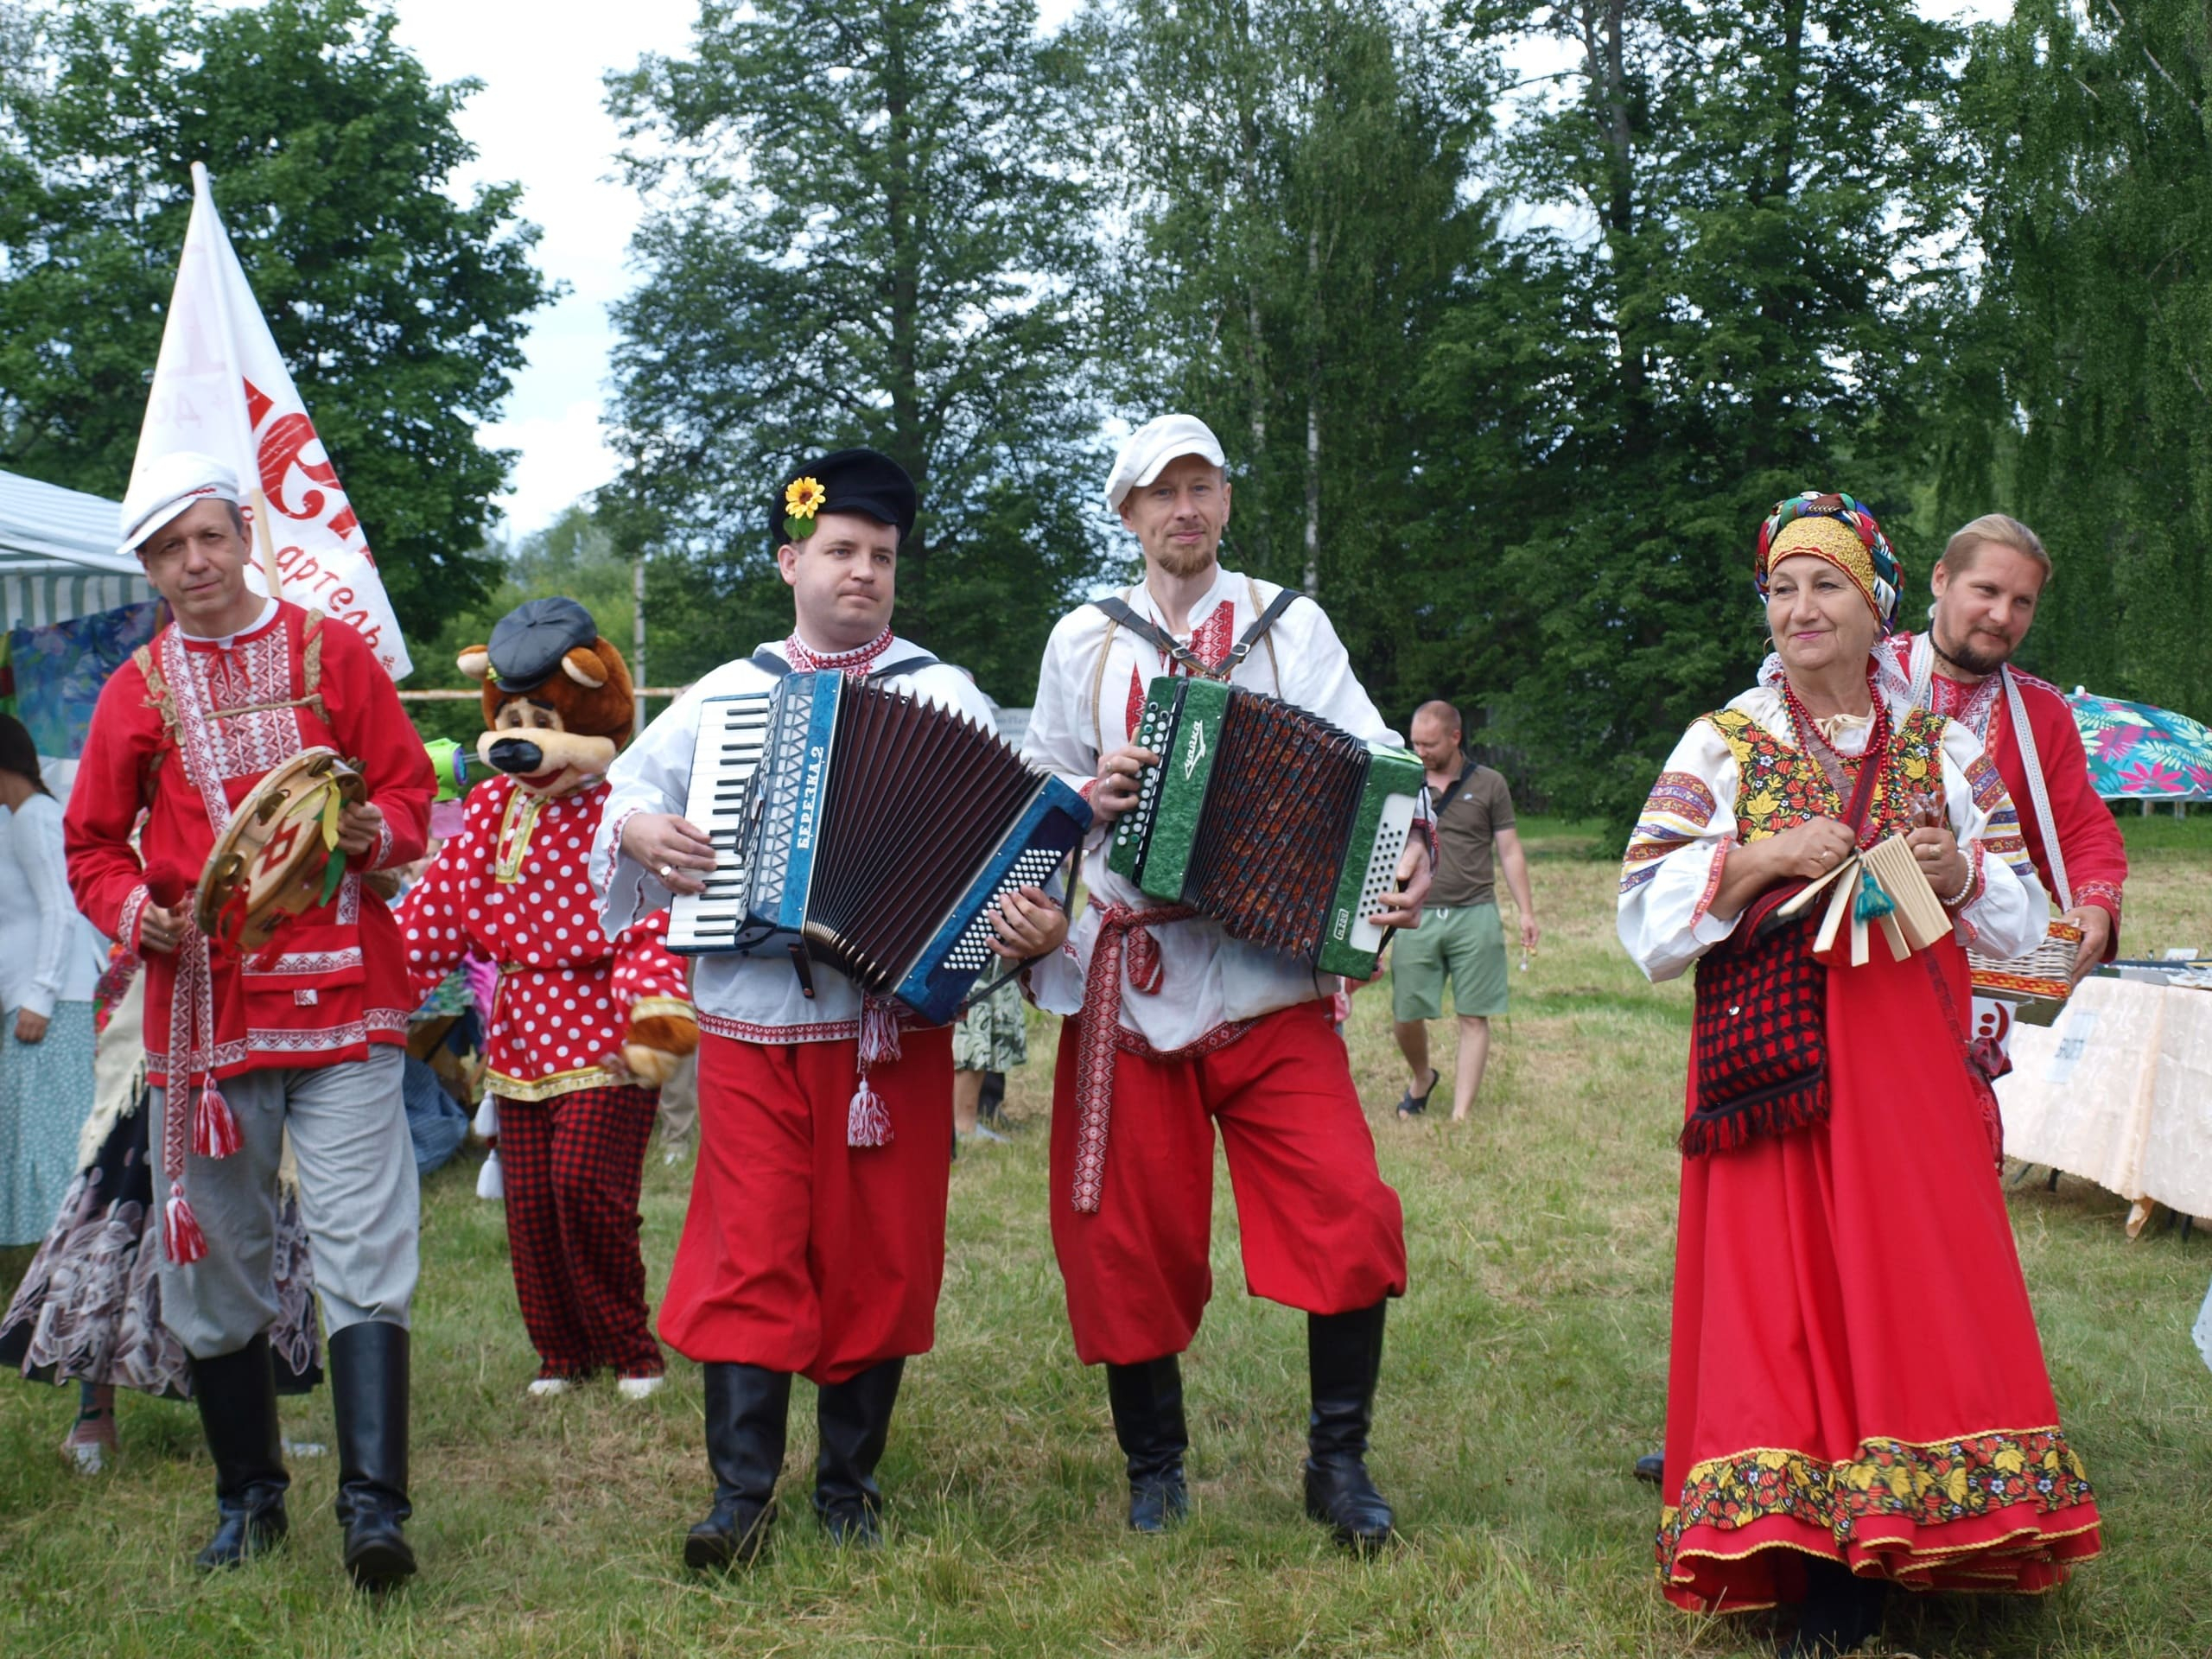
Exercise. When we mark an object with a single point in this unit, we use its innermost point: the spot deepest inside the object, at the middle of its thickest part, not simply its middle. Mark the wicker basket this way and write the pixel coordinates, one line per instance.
(2045, 972)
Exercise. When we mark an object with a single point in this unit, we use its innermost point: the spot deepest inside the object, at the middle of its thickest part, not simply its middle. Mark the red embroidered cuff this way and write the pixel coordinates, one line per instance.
(2104, 895)
(1713, 874)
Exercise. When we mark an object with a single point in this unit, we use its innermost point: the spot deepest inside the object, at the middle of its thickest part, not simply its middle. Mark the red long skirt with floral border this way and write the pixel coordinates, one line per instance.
(1855, 1371)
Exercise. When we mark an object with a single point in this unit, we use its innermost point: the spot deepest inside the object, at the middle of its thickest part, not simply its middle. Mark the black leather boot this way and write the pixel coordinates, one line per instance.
(748, 1409)
(854, 1419)
(237, 1397)
(1148, 1402)
(1842, 1612)
(1344, 1355)
(368, 1389)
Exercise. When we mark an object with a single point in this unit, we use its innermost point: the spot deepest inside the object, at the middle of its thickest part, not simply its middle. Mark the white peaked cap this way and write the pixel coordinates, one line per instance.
(168, 484)
(1151, 446)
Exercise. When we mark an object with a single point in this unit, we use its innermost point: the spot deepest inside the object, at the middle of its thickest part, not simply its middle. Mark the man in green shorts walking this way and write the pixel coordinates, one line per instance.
(1460, 937)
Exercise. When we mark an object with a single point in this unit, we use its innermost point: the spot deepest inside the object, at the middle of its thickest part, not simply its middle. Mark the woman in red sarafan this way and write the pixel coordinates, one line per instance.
(1857, 1395)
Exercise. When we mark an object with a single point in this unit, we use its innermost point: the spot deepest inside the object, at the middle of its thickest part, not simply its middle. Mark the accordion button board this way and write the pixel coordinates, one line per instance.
(867, 831)
(1281, 827)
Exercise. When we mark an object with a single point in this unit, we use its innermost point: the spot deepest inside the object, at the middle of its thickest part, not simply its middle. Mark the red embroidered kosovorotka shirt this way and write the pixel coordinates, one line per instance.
(516, 884)
(335, 980)
(2096, 856)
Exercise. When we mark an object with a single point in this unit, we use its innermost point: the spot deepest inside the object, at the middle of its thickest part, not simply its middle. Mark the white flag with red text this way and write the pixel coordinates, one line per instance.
(221, 388)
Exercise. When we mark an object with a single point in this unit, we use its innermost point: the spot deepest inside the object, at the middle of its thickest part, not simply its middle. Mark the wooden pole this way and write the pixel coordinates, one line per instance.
(267, 543)
(637, 642)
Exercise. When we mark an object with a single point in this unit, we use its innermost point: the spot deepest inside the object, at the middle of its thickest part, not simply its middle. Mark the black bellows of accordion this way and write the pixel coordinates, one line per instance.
(917, 798)
(1285, 788)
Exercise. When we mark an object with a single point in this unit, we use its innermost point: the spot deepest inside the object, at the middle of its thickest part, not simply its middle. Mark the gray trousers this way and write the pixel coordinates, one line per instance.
(358, 1197)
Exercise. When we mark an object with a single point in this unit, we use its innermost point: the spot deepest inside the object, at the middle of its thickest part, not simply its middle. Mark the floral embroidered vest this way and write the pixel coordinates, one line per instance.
(1780, 786)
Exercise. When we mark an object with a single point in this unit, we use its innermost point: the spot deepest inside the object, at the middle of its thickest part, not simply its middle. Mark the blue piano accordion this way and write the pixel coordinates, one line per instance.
(867, 831)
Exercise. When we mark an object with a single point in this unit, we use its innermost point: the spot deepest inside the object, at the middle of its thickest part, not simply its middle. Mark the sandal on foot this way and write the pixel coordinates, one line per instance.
(1412, 1105)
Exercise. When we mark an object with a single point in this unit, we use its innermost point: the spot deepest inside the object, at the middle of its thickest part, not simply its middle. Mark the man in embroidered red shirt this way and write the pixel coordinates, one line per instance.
(1987, 586)
(307, 1036)
(815, 1241)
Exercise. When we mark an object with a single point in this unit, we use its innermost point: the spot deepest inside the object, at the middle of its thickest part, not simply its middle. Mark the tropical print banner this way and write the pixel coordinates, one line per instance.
(2140, 753)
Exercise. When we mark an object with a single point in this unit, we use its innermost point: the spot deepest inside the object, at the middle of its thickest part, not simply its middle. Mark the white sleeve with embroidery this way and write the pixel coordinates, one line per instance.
(652, 775)
(2008, 912)
(1672, 869)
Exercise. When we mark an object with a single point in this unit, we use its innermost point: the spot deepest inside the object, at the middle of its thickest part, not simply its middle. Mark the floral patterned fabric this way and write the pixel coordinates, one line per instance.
(1922, 1485)
(1783, 786)
(89, 1307)
(2139, 752)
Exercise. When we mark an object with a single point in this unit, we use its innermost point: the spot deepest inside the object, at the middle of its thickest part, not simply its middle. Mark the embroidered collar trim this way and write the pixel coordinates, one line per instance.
(858, 661)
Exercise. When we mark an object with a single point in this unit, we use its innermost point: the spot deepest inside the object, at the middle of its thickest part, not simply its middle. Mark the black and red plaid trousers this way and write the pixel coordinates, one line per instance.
(571, 1166)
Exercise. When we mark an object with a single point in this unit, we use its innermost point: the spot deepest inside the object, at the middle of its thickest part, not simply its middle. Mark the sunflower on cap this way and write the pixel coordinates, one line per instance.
(1836, 528)
(865, 481)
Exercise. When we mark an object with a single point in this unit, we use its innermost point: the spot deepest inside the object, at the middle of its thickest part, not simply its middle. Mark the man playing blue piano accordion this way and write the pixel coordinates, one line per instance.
(815, 1240)
(1182, 1027)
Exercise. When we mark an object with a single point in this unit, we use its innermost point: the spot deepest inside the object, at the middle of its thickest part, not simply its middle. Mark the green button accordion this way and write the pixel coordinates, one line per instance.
(1280, 826)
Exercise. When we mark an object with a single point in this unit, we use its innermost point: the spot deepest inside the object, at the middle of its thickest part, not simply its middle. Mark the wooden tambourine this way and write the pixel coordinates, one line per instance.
(274, 860)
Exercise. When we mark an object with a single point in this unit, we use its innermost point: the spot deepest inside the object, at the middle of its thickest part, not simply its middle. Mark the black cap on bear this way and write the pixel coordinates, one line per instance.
(528, 642)
(850, 481)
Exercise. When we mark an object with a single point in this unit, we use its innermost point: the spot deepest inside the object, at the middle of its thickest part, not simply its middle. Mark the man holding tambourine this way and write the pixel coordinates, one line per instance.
(275, 769)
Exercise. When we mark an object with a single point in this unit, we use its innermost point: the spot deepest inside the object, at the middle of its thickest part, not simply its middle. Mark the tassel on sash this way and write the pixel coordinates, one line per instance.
(867, 1122)
(182, 1239)
(214, 1126)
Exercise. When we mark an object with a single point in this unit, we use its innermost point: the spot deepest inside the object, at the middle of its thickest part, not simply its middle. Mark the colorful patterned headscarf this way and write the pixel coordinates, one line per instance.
(1838, 529)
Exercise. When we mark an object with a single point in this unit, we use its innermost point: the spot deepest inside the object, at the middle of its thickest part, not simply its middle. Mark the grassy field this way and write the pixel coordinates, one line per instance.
(1524, 1369)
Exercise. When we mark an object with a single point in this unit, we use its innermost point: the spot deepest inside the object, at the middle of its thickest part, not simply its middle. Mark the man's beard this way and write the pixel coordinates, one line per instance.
(1980, 664)
(1178, 562)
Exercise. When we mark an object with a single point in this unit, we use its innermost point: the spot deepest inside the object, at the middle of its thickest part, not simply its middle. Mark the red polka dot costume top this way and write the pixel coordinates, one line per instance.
(512, 884)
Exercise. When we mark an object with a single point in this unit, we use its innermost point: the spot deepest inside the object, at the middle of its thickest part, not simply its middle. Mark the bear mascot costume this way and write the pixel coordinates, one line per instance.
(584, 1028)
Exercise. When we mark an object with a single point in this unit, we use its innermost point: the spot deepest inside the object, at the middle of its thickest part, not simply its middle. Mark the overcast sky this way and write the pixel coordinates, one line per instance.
(540, 120)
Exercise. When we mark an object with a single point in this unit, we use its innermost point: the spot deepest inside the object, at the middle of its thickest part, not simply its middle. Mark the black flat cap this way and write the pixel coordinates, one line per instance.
(852, 480)
(528, 642)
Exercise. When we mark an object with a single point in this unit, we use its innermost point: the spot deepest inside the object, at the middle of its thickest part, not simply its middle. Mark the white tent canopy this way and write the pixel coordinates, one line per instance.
(58, 558)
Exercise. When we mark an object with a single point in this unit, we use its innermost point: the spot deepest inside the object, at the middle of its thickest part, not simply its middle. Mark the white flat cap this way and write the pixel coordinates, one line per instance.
(1151, 446)
(168, 484)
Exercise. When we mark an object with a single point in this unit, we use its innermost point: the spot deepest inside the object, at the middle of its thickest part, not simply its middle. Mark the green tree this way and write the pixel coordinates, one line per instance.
(1755, 272)
(864, 228)
(1295, 176)
(400, 311)
(2083, 394)
(576, 557)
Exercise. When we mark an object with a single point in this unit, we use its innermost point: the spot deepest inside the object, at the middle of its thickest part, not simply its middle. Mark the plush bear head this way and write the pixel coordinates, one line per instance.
(557, 699)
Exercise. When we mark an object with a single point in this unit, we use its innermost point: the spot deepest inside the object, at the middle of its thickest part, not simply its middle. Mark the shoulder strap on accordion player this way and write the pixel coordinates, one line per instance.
(1122, 614)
